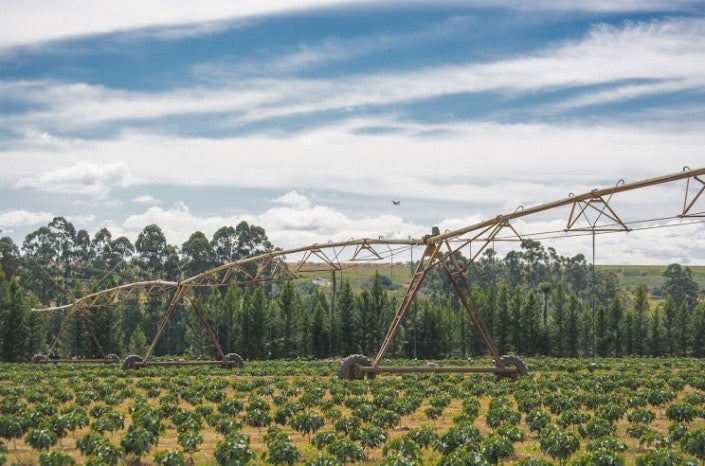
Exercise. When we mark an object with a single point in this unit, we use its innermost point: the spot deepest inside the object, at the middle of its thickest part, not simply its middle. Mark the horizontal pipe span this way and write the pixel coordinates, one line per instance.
(447, 369)
(185, 363)
(79, 361)
(594, 194)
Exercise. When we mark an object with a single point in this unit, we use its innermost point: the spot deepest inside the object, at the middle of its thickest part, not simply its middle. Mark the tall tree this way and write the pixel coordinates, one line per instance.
(616, 315)
(670, 313)
(680, 286)
(319, 332)
(641, 309)
(151, 248)
(14, 311)
(197, 254)
(559, 320)
(288, 319)
(698, 330)
(656, 334)
(346, 311)
(573, 326)
(682, 327)
(530, 323)
(503, 322)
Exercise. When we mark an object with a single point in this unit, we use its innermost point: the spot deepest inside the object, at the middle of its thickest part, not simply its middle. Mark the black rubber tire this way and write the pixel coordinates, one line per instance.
(512, 360)
(131, 361)
(40, 358)
(350, 367)
(111, 358)
(233, 360)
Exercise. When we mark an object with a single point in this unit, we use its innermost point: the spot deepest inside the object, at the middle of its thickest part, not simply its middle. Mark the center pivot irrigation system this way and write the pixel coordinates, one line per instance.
(589, 213)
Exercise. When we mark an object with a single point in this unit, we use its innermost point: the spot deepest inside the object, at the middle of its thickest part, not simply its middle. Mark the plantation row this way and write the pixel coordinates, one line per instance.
(632, 411)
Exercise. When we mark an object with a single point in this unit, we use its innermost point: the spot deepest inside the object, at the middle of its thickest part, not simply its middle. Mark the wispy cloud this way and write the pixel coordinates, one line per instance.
(28, 22)
(21, 217)
(669, 54)
(304, 56)
(34, 21)
(146, 199)
(84, 178)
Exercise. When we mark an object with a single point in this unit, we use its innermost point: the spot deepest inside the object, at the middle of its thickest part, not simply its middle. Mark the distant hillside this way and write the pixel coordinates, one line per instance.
(650, 275)
(396, 276)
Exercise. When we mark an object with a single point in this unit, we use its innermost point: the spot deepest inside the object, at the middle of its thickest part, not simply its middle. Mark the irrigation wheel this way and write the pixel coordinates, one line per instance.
(512, 360)
(40, 358)
(133, 361)
(233, 360)
(350, 367)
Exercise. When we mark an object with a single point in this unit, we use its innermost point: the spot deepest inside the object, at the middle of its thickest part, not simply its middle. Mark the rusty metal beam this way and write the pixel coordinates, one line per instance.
(568, 201)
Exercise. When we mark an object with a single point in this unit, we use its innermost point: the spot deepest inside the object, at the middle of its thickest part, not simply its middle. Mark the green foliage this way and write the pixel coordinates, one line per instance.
(41, 439)
(55, 458)
(234, 450)
(693, 443)
(138, 440)
(169, 458)
(558, 443)
(598, 457)
(344, 450)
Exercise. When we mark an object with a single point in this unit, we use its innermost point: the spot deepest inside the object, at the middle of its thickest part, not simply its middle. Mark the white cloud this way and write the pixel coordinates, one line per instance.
(294, 199)
(287, 227)
(33, 21)
(21, 217)
(25, 22)
(84, 178)
(146, 199)
(670, 54)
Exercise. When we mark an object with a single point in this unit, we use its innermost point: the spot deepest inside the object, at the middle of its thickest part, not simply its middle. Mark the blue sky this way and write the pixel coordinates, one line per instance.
(309, 117)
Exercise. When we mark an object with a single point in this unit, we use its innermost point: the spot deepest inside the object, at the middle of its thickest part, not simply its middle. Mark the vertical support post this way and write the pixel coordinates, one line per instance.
(594, 284)
(62, 327)
(462, 289)
(178, 294)
(202, 317)
(93, 335)
(422, 269)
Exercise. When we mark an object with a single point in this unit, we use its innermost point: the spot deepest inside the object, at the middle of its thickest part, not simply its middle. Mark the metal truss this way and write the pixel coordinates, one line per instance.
(591, 211)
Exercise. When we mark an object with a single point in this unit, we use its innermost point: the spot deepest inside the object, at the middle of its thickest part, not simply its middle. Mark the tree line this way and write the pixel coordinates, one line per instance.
(533, 302)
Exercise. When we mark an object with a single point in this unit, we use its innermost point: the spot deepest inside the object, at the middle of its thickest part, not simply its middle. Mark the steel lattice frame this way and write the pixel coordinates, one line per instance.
(440, 249)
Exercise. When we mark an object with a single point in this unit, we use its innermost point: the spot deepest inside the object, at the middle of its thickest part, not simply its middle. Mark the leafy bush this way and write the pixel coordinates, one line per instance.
(234, 450)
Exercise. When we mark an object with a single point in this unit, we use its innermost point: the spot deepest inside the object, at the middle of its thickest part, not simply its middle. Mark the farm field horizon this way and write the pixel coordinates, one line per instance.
(298, 412)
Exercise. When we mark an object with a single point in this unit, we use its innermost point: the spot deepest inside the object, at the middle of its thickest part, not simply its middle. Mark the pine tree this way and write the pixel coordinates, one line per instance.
(230, 308)
(641, 308)
(256, 315)
(573, 326)
(697, 327)
(670, 312)
(14, 311)
(616, 313)
(319, 333)
(379, 311)
(517, 342)
(559, 321)
(502, 324)
(530, 323)
(682, 324)
(138, 342)
(346, 312)
(629, 332)
(603, 337)
(656, 334)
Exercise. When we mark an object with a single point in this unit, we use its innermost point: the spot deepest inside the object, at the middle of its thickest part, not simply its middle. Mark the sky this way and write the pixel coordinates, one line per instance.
(309, 117)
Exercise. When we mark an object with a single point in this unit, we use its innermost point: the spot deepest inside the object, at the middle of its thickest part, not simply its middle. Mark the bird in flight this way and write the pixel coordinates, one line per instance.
(396, 202)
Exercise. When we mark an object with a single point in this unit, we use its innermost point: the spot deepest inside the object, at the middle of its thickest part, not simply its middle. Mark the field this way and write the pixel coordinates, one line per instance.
(298, 411)
(629, 276)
